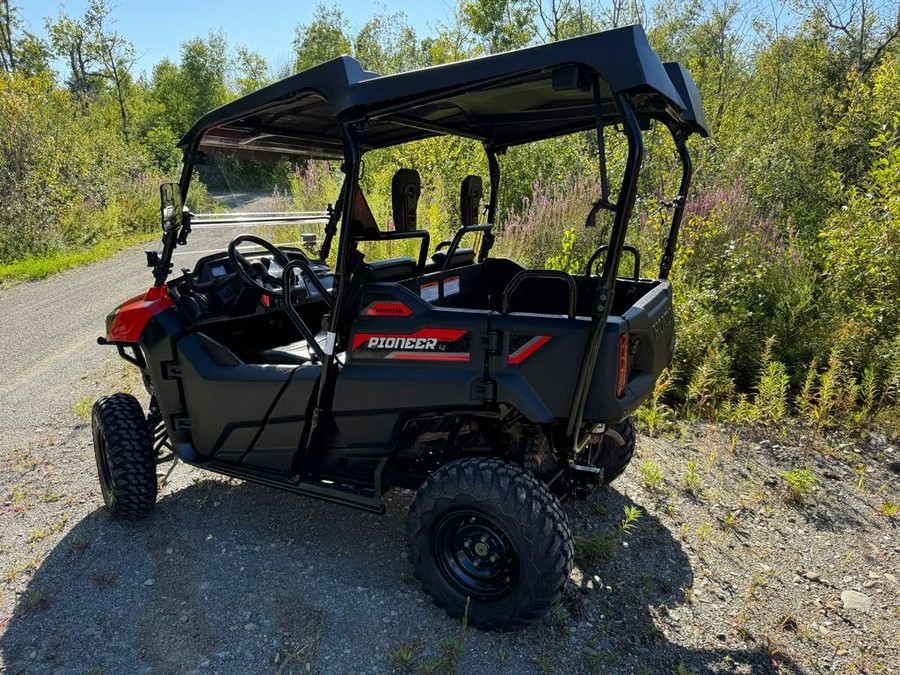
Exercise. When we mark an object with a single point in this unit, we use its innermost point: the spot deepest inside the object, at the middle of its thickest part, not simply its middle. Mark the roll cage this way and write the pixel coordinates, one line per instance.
(338, 110)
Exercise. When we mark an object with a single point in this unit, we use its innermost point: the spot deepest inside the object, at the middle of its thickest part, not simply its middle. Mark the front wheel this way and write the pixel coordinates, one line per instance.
(126, 463)
(489, 542)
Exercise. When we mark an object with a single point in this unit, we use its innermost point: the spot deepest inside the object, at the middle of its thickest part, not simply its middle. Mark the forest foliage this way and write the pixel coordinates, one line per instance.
(788, 273)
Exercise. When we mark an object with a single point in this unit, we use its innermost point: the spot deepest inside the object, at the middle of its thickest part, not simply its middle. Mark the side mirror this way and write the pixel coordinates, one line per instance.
(171, 206)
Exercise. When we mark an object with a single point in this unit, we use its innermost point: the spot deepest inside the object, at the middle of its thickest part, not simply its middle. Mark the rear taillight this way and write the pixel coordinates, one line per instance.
(622, 375)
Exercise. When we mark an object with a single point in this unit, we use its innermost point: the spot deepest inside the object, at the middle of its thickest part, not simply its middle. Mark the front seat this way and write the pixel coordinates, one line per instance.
(471, 192)
(294, 354)
(364, 228)
(406, 186)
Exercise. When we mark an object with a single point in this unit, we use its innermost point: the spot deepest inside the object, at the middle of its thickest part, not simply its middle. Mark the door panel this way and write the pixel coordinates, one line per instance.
(405, 355)
(229, 402)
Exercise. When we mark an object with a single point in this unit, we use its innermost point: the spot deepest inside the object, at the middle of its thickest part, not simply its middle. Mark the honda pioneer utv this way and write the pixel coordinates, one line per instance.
(491, 389)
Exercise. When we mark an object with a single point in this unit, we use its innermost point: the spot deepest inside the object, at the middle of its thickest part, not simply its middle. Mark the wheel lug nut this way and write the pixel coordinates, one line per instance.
(494, 558)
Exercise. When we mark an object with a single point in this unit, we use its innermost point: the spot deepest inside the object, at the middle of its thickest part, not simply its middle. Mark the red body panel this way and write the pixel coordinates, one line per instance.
(132, 316)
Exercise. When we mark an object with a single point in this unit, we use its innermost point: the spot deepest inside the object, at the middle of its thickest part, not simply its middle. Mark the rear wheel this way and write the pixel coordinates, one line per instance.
(614, 458)
(489, 542)
(126, 463)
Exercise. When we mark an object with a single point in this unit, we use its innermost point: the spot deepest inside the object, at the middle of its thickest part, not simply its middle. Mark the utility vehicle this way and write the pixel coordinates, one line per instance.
(492, 390)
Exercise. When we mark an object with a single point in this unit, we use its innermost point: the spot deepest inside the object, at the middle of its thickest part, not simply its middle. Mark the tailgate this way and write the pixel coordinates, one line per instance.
(649, 324)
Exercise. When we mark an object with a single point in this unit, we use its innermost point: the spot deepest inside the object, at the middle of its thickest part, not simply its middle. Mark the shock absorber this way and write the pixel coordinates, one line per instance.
(527, 448)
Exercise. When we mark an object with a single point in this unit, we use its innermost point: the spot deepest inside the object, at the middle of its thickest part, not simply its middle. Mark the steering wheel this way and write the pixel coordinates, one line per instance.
(251, 273)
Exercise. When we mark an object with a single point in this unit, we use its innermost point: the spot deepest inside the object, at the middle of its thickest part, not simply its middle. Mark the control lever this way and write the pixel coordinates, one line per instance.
(188, 278)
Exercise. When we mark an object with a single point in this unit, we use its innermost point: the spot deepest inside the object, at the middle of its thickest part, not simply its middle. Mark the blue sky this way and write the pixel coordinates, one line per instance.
(158, 27)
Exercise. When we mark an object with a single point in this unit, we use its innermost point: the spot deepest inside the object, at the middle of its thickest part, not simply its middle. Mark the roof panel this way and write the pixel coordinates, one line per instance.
(503, 99)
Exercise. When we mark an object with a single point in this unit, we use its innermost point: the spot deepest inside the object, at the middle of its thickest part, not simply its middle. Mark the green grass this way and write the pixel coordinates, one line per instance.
(40, 267)
(83, 407)
(801, 484)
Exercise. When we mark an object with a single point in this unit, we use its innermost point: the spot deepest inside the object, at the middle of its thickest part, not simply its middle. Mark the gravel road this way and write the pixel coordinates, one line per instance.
(228, 577)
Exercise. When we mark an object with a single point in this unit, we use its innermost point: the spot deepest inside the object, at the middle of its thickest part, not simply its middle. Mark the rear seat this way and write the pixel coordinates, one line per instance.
(391, 269)
(461, 258)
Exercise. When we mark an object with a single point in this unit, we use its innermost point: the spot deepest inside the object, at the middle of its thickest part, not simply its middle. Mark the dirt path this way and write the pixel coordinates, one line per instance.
(718, 573)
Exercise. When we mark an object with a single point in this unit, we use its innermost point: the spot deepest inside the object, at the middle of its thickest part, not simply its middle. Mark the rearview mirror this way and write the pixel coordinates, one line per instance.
(171, 206)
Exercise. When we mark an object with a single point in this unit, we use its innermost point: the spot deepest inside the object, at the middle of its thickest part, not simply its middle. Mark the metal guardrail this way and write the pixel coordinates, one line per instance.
(202, 221)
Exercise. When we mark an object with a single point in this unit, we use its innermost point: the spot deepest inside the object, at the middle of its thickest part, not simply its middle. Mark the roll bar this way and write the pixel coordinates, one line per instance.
(603, 296)
(336, 322)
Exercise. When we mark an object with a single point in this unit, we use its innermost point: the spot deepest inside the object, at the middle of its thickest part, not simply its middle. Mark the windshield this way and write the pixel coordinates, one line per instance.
(282, 201)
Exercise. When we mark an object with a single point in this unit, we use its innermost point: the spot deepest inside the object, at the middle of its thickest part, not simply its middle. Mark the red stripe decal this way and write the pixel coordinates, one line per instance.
(427, 356)
(528, 349)
(442, 334)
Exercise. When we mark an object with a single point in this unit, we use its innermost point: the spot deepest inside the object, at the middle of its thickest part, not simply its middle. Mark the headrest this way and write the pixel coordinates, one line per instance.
(471, 193)
(405, 189)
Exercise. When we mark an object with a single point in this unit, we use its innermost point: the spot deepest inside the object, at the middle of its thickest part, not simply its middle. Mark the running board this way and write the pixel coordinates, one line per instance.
(346, 496)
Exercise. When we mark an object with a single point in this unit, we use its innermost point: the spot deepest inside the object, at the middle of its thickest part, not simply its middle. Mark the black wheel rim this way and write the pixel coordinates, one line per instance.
(475, 555)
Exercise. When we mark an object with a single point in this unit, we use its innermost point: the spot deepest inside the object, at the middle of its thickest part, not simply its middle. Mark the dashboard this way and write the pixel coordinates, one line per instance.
(214, 291)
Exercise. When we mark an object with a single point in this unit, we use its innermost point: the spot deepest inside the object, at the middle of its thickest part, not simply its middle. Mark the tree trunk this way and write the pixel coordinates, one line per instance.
(7, 57)
(120, 97)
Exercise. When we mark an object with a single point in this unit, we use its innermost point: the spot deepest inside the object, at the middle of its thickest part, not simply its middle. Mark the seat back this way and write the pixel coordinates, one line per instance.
(406, 186)
(362, 225)
(391, 269)
(471, 192)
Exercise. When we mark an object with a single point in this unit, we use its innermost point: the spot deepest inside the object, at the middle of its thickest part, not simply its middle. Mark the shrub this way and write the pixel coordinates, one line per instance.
(741, 281)
(652, 476)
(800, 483)
(862, 260)
(68, 180)
(771, 400)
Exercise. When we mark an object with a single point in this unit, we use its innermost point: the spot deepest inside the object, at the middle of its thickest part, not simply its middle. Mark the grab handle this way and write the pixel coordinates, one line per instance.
(514, 283)
(631, 249)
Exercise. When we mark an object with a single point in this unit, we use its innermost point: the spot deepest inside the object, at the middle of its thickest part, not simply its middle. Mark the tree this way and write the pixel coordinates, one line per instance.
(25, 53)
(622, 12)
(8, 23)
(387, 44)
(252, 71)
(553, 16)
(32, 56)
(69, 41)
(323, 38)
(204, 64)
(182, 93)
(864, 27)
(501, 25)
(113, 53)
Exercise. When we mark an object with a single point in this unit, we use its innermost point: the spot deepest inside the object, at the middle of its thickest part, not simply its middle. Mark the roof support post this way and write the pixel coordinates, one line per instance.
(601, 139)
(494, 173)
(672, 243)
(603, 297)
(487, 239)
(335, 326)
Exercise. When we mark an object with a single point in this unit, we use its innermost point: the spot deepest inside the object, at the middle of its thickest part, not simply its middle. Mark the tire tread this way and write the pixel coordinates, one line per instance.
(520, 497)
(131, 494)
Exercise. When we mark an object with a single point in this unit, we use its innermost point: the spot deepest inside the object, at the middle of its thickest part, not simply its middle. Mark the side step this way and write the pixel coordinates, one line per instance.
(346, 495)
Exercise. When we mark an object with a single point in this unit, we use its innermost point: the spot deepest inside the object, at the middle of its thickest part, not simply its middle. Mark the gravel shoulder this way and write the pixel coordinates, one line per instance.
(720, 571)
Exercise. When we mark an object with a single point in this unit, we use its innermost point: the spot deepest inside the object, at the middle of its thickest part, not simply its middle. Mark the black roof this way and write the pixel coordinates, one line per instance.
(503, 99)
